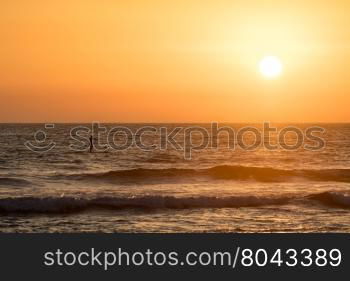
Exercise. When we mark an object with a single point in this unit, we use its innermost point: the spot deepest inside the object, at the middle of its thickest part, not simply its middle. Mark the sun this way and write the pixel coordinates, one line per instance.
(270, 66)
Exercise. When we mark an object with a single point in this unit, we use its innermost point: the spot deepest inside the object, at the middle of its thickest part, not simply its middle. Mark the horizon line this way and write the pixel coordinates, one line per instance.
(175, 122)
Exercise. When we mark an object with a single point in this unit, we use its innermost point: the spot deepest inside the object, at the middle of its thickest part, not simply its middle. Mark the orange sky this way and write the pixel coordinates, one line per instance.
(173, 61)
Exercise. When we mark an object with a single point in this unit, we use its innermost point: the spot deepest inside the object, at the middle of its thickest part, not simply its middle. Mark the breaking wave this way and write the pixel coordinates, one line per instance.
(72, 204)
(332, 199)
(62, 205)
(261, 174)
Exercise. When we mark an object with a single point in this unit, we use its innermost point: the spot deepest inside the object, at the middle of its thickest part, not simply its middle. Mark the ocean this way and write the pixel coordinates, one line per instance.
(51, 182)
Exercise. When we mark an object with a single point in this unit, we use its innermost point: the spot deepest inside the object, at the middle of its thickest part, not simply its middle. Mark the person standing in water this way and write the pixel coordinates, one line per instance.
(91, 143)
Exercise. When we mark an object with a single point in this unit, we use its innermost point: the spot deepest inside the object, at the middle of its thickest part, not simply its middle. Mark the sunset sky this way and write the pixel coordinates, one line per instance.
(173, 61)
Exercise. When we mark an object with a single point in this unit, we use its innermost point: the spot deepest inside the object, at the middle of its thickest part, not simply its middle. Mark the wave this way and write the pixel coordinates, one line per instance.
(332, 199)
(4, 181)
(73, 204)
(261, 174)
(61, 205)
